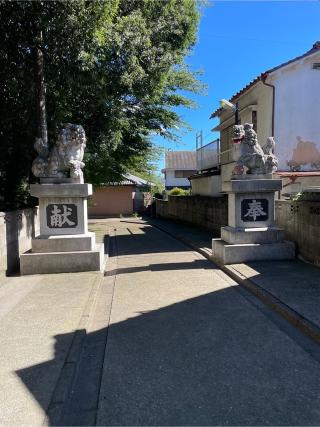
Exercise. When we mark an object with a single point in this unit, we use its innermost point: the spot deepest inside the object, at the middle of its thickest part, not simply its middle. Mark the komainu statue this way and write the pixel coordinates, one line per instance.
(64, 160)
(258, 160)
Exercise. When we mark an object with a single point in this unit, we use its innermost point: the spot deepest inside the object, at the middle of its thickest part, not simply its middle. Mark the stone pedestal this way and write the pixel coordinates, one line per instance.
(251, 233)
(64, 244)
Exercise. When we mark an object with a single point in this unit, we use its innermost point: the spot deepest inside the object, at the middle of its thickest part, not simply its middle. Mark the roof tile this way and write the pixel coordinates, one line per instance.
(181, 160)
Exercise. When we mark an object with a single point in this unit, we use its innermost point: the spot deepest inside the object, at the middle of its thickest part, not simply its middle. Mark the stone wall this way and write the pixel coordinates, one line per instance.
(207, 212)
(16, 231)
(301, 222)
(206, 185)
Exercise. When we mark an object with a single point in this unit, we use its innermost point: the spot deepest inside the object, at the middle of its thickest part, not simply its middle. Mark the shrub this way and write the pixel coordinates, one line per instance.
(179, 192)
(308, 196)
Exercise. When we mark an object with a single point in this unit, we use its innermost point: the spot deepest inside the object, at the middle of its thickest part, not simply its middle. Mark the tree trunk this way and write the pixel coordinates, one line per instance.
(40, 93)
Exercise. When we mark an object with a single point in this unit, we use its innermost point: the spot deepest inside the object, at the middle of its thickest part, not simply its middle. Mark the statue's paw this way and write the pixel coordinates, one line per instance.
(238, 170)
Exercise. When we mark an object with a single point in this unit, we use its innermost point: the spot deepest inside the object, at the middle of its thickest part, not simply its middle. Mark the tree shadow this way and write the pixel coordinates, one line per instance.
(196, 264)
(213, 359)
(203, 361)
(147, 242)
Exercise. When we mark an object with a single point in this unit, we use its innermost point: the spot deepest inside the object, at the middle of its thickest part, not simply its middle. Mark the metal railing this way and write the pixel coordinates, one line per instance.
(208, 156)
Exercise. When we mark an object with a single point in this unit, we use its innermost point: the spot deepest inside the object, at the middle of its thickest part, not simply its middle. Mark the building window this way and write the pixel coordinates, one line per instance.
(254, 120)
(183, 174)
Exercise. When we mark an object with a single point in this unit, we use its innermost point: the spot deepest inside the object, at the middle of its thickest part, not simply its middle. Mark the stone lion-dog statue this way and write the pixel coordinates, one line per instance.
(64, 160)
(258, 160)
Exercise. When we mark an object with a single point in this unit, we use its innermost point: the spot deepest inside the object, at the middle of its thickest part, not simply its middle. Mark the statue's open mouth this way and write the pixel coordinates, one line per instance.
(237, 140)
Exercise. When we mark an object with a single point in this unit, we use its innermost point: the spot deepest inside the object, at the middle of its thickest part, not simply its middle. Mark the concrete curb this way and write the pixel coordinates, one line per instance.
(62, 390)
(293, 317)
(63, 387)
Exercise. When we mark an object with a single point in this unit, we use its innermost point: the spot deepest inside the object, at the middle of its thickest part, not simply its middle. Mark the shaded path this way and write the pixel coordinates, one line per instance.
(186, 347)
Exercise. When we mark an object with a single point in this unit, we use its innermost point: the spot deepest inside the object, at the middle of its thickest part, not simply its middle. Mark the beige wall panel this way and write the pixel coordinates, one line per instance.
(112, 200)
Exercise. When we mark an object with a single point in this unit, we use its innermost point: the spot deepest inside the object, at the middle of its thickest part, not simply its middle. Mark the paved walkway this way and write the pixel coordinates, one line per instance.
(187, 346)
(42, 322)
(292, 288)
(163, 338)
(38, 318)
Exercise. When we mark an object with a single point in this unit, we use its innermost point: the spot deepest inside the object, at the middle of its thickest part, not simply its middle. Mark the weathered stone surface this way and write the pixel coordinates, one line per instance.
(256, 159)
(17, 228)
(207, 212)
(61, 190)
(252, 235)
(65, 158)
(238, 253)
(250, 177)
(243, 214)
(253, 185)
(62, 262)
(64, 243)
(63, 215)
(301, 224)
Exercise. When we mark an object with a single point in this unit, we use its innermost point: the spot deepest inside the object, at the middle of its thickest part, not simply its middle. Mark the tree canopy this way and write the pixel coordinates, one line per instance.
(115, 66)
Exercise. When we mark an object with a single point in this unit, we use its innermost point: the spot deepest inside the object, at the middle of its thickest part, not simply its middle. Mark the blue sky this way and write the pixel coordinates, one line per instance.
(237, 41)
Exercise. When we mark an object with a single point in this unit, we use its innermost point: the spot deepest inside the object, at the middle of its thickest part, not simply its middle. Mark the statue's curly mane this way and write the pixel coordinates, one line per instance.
(64, 160)
(253, 157)
(71, 134)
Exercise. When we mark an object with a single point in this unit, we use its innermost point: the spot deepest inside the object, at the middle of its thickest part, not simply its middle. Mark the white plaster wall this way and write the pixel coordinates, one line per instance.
(300, 184)
(261, 96)
(297, 112)
(171, 181)
(206, 186)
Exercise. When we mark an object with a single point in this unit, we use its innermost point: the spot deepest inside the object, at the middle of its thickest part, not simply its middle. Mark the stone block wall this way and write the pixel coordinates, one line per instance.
(207, 212)
(17, 228)
(299, 219)
(301, 223)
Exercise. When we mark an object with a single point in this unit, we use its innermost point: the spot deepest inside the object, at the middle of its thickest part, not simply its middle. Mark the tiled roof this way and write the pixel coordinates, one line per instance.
(135, 179)
(129, 179)
(183, 160)
(263, 76)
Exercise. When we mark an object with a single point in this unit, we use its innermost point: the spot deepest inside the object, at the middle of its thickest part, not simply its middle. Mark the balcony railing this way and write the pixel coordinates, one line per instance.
(208, 156)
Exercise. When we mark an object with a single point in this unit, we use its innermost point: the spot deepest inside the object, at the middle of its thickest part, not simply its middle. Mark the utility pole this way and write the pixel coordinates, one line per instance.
(199, 147)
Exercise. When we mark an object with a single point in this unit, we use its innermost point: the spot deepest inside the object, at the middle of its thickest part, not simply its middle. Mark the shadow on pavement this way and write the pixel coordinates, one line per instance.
(201, 264)
(213, 359)
(147, 242)
(198, 362)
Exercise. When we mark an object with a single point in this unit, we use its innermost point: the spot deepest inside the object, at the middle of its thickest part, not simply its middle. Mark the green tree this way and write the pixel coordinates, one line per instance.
(114, 66)
(67, 28)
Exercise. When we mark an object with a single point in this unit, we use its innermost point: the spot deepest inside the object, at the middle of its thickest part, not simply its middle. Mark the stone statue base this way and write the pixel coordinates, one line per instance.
(64, 244)
(251, 234)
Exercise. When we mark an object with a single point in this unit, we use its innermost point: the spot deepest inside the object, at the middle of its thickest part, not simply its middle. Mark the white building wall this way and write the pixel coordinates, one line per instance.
(171, 181)
(297, 114)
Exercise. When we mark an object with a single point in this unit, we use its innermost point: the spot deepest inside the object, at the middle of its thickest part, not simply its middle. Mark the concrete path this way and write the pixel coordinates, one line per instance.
(292, 288)
(163, 338)
(38, 319)
(187, 346)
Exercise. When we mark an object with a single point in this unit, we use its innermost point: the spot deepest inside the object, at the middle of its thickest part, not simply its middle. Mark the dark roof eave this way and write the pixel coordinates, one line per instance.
(205, 174)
